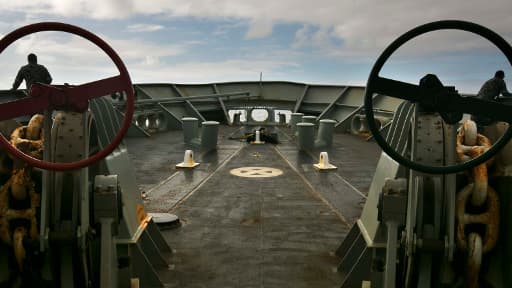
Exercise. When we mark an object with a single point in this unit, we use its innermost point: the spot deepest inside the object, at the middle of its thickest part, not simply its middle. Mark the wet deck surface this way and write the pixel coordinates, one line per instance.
(254, 232)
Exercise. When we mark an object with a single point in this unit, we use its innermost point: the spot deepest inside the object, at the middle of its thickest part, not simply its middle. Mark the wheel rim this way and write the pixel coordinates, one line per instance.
(124, 76)
(486, 33)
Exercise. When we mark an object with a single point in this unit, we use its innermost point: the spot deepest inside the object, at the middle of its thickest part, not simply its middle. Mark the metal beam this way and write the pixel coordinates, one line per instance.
(328, 108)
(235, 95)
(137, 87)
(226, 115)
(356, 110)
(189, 104)
(169, 113)
(299, 100)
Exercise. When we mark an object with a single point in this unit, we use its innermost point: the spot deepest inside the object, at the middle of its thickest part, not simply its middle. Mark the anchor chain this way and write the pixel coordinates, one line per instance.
(484, 204)
(18, 198)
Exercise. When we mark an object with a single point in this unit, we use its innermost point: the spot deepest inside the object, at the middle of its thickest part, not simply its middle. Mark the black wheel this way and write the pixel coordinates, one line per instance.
(441, 99)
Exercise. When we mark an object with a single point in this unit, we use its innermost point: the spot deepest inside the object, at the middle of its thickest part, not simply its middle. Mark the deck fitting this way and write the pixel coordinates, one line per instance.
(188, 160)
(324, 164)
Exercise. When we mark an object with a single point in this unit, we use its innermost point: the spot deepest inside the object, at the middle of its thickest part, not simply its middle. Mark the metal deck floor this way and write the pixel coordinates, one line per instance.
(254, 232)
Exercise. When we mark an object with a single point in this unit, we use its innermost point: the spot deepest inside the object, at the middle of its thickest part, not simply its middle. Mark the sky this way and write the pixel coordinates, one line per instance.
(205, 41)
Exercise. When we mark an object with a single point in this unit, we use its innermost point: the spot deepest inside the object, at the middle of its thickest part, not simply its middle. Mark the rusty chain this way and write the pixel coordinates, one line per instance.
(481, 196)
(18, 198)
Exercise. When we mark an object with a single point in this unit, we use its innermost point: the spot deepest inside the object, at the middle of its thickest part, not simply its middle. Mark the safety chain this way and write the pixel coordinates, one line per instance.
(18, 199)
(482, 198)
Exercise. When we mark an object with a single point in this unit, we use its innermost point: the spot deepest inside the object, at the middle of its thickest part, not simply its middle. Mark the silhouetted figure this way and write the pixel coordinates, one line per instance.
(32, 73)
(493, 87)
(491, 90)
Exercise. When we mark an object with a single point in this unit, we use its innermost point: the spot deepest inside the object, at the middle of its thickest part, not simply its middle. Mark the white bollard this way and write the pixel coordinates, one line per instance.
(257, 139)
(324, 164)
(188, 160)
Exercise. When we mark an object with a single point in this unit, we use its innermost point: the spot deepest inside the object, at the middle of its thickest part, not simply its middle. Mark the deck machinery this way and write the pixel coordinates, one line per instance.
(434, 216)
(70, 220)
(71, 214)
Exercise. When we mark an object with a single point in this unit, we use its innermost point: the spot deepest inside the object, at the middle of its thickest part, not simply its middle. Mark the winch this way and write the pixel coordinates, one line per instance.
(71, 214)
(436, 190)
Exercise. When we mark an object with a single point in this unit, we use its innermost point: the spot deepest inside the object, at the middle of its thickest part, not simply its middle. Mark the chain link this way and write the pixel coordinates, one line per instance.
(18, 198)
(482, 198)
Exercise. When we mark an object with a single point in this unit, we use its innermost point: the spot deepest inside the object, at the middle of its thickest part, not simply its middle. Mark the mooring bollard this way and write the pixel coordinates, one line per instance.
(190, 129)
(209, 133)
(282, 118)
(324, 135)
(295, 118)
(306, 132)
(236, 119)
(257, 138)
(309, 119)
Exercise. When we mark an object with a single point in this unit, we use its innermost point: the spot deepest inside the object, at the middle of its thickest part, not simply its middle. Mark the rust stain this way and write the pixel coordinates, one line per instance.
(251, 221)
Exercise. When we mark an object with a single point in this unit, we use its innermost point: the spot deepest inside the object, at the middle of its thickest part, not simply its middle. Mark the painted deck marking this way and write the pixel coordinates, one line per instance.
(256, 172)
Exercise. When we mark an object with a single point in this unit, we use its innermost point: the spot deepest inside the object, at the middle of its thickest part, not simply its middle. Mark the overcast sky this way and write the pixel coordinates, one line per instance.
(198, 41)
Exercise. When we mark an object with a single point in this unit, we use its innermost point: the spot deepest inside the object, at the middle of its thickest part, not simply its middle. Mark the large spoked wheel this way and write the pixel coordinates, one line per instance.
(413, 93)
(47, 97)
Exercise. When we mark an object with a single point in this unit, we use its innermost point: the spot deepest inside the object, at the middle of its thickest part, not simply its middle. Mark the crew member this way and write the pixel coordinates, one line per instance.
(491, 90)
(493, 87)
(32, 73)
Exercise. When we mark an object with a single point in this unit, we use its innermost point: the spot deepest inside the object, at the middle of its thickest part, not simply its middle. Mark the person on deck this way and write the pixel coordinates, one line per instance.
(32, 73)
(491, 90)
(493, 87)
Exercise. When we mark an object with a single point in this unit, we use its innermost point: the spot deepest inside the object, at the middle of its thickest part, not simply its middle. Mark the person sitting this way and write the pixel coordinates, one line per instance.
(32, 73)
(491, 91)
(493, 87)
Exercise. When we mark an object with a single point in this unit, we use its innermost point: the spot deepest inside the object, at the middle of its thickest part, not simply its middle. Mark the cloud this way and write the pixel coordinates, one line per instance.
(208, 71)
(224, 29)
(71, 47)
(259, 29)
(144, 27)
(337, 31)
(364, 26)
(80, 61)
(74, 60)
(302, 37)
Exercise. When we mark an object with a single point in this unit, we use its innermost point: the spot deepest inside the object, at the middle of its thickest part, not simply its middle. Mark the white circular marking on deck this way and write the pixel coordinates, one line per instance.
(256, 172)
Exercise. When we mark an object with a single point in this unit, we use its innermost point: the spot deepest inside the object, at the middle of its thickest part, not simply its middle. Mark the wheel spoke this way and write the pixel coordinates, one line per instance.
(97, 89)
(433, 96)
(22, 107)
(68, 98)
(397, 89)
(476, 106)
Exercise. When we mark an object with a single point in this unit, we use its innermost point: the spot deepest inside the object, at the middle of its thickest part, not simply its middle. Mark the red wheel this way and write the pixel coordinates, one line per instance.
(47, 97)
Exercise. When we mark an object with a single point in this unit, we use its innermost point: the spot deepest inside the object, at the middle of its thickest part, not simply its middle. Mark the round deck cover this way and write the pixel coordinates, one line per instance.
(163, 218)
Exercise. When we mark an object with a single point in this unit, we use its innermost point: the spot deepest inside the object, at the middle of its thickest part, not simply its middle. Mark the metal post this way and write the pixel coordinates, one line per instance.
(309, 119)
(325, 131)
(306, 135)
(209, 135)
(190, 129)
(47, 181)
(106, 274)
(391, 246)
(295, 118)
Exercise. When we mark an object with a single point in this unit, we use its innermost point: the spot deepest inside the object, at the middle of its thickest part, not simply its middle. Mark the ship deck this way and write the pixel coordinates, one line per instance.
(277, 231)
